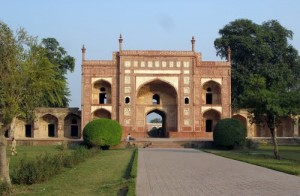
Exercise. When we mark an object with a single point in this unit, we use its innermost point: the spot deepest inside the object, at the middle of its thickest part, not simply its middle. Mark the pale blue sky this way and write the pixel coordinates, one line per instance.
(145, 25)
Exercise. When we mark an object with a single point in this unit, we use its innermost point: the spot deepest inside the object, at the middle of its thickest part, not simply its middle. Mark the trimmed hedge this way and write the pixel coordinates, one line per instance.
(102, 132)
(229, 133)
(45, 166)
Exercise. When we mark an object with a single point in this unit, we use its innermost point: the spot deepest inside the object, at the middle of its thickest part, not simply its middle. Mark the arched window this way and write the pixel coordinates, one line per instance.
(186, 100)
(127, 100)
(102, 96)
(208, 96)
(155, 99)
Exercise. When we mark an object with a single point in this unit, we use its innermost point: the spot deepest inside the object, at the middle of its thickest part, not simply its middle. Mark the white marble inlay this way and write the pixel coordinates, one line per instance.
(186, 122)
(157, 71)
(171, 64)
(186, 80)
(127, 89)
(127, 63)
(186, 64)
(127, 79)
(156, 63)
(186, 71)
(127, 111)
(186, 89)
(186, 111)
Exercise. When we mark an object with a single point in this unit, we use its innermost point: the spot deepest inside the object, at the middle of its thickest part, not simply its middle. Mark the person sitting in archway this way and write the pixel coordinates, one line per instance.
(130, 140)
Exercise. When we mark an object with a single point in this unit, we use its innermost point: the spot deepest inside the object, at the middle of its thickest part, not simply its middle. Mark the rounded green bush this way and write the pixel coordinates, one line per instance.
(102, 132)
(229, 133)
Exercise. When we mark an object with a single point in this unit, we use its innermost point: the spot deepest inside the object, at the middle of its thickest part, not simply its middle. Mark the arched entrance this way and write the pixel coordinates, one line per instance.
(210, 118)
(156, 124)
(158, 97)
(72, 126)
(50, 123)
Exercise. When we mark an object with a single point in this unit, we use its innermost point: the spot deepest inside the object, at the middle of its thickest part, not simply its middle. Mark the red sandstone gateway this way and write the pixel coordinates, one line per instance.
(190, 95)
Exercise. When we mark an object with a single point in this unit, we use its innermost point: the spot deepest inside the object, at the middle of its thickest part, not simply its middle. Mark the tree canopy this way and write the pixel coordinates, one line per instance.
(259, 49)
(265, 70)
(62, 63)
(29, 78)
(156, 120)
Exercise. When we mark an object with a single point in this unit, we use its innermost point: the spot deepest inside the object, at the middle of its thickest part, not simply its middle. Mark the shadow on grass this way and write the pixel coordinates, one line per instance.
(129, 175)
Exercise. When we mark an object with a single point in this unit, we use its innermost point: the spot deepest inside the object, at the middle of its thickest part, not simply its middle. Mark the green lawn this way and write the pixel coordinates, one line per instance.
(30, 152)
(289, 163)
(104, 174)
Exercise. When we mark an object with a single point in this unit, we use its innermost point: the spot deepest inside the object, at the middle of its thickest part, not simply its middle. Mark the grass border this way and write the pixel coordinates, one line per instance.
(253, 162)
(133, 174)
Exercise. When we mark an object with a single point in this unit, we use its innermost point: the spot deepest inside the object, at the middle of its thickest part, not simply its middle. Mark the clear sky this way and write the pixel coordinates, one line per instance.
(145, 25)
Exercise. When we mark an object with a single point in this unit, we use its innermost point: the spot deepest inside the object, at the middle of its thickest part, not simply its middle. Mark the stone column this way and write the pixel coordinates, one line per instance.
(36, 128)
(60, 128)
(296, 127)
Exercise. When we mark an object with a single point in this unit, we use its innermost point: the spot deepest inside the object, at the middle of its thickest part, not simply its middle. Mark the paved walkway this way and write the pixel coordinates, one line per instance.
(191, 172)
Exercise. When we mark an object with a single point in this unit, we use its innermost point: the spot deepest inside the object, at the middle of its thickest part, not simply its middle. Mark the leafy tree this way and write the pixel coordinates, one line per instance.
(63, 63)
(156, 120)
(26, 73)
(265, 70)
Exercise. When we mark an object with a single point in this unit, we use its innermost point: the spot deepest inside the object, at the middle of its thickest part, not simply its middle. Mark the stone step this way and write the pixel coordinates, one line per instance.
(166, 145)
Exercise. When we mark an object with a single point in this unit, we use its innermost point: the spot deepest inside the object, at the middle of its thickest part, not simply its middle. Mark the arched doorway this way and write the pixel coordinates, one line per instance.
(156, 124)
(158, 97)
(72, 126)
(210, 119)
(50, 122)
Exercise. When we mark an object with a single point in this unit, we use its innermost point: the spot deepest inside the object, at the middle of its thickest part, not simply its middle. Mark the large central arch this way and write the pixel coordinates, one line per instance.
(160, 97)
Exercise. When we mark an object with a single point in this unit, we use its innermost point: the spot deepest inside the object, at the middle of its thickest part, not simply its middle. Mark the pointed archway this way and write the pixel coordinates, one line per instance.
(210, 119)
(50, 124)
(156, 123)
(160, 97)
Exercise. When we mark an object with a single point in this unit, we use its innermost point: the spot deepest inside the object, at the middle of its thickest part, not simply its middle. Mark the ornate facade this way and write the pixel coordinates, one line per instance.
(191, 95)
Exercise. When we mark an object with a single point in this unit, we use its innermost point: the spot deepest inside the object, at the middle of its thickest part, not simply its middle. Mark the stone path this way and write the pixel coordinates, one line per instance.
(192, 172)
